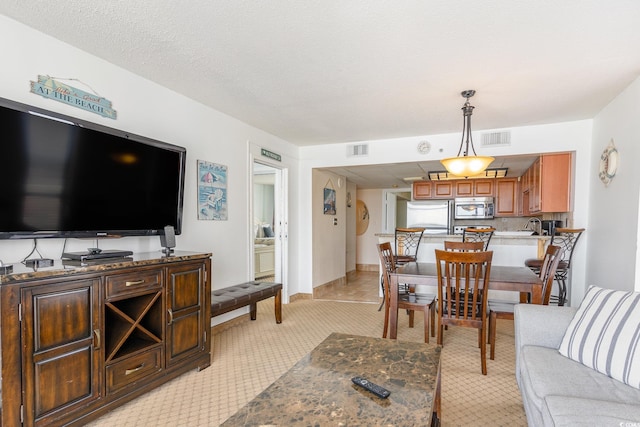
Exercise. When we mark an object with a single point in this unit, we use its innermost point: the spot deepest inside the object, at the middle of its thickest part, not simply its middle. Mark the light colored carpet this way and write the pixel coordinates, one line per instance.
(249, 356)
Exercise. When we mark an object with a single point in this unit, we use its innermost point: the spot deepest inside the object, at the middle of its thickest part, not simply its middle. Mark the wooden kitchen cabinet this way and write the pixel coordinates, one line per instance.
(98, 336)
(426, 190)
(474, 187)
(550, 183)
(443, 189)
(506, 201)
(422, 190)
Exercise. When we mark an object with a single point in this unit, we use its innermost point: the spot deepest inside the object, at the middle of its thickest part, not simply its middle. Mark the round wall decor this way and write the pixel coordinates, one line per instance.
(608, 163)
(424, 147)
(362, 217)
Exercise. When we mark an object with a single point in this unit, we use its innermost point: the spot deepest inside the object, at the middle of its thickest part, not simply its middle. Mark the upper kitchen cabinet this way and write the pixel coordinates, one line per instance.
(506, 200)
(549, 184)
(423, 190)
(474, 188)
(442, 189)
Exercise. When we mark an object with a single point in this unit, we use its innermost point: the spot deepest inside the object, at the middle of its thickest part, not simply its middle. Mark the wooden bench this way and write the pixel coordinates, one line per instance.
(249, 293)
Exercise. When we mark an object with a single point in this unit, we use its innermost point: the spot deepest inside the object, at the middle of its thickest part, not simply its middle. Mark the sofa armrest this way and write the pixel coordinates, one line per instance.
(540, 325)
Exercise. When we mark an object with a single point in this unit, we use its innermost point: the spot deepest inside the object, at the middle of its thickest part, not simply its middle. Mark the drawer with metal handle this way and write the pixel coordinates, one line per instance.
(133, 369)
(118, 285)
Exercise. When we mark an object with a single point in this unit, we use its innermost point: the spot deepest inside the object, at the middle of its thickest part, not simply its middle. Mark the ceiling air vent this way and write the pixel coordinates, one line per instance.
(357, 150)
(494, 139)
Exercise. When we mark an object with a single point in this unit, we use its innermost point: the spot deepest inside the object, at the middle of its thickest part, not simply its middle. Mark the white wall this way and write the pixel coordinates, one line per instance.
(613, 210)
(329, 231)
(350, 229)
(148, 109)
(367, 252)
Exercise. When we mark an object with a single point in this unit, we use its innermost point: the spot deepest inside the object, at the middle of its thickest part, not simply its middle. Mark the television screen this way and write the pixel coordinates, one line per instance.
(62, 177)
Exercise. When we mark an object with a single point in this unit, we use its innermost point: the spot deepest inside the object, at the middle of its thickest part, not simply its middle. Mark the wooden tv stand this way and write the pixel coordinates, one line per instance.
(80, 340)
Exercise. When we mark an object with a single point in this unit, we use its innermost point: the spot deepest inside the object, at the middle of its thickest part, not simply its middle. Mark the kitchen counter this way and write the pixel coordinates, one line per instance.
(507, 250)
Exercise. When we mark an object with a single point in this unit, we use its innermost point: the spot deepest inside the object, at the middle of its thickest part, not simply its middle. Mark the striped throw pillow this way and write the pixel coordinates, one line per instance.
(605, 334)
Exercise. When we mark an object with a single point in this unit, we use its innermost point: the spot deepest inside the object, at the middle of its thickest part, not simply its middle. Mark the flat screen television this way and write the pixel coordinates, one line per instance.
(63, 177)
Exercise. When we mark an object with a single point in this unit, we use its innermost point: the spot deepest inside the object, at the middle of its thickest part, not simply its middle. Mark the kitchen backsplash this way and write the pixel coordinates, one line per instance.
(509, 224)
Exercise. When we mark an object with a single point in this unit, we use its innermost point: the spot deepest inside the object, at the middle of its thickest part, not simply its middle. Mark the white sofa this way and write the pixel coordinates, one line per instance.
(557, 391)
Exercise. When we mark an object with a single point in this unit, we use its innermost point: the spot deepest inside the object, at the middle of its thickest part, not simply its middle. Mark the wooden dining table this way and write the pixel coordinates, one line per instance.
(503, 278)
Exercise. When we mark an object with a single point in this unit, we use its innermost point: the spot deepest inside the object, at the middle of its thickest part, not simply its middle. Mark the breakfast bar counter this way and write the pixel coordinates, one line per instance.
(508, 249)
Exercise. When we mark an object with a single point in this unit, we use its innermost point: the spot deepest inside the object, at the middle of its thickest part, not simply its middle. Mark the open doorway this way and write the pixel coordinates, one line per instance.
(269, 223)
(394, 204)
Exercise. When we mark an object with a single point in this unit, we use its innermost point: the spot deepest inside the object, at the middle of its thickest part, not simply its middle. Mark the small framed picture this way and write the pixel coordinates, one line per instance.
(329, 201)
(212, 191)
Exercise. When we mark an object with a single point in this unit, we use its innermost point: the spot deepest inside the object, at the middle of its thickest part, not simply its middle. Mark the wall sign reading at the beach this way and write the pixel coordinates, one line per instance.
(50, 88)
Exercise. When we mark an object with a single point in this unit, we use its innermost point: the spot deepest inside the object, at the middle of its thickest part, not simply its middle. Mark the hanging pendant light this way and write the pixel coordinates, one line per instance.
(467, 165)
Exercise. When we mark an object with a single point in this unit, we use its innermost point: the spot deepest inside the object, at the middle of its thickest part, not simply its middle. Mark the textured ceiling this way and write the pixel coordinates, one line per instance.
(323, 71)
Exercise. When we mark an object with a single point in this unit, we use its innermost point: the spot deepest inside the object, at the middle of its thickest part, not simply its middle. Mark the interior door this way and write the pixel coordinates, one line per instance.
(269, 223)
(389, 212)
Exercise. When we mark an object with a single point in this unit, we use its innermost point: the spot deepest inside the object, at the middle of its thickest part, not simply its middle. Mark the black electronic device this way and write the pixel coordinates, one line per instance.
(168, 239)
(6, 268)
(39, 262)
(64, 177)
(88, 255)
(373, 388)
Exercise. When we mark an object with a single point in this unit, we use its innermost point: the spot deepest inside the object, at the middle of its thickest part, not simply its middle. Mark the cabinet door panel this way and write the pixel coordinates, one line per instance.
(61, 355)
(443, 189)
(61, 318)
(73, 370)
(185, 332)
(483, 187)
(464, 188)
(422, 190)
(185, 305)
(507, 197)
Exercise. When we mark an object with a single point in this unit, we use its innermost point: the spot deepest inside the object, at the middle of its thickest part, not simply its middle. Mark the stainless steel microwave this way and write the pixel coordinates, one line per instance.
(473, 208)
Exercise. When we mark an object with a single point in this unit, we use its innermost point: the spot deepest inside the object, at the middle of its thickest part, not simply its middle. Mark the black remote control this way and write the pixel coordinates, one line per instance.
(373, 388)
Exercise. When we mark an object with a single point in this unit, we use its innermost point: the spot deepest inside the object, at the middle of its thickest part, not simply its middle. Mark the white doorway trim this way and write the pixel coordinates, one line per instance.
(280, 222)
(389, 206)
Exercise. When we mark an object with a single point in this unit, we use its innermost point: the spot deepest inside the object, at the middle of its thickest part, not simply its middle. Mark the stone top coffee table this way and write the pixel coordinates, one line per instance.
(318, 389)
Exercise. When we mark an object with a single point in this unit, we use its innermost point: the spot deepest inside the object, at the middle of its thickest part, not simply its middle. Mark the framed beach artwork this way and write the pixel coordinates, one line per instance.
(329, 201)
(212, 191)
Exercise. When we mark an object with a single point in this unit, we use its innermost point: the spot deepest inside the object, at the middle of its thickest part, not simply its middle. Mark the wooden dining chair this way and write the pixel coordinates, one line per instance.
(463, 285)
(504, 309)
(410, 301)
(450, 245)
(483, 235)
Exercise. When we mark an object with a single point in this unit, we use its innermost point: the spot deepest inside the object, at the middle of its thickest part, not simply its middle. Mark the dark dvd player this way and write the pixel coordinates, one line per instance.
(88, 256)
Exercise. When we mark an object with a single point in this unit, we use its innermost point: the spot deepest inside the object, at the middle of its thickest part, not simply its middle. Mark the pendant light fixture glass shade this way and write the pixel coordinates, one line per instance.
(467, 165)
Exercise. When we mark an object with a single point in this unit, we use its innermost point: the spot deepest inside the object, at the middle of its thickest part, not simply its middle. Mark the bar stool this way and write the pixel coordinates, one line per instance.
(478, 235)
(566, 238)
(504, 309)
(407, 243)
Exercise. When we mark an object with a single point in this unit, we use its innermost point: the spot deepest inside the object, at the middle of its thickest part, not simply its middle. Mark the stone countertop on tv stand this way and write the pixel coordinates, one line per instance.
(67, 268)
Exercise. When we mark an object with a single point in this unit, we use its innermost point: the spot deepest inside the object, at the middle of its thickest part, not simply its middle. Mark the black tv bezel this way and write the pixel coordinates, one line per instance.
(73, 121)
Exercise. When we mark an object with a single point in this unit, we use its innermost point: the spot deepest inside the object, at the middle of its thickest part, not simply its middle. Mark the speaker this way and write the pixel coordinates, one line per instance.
(168, 239)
